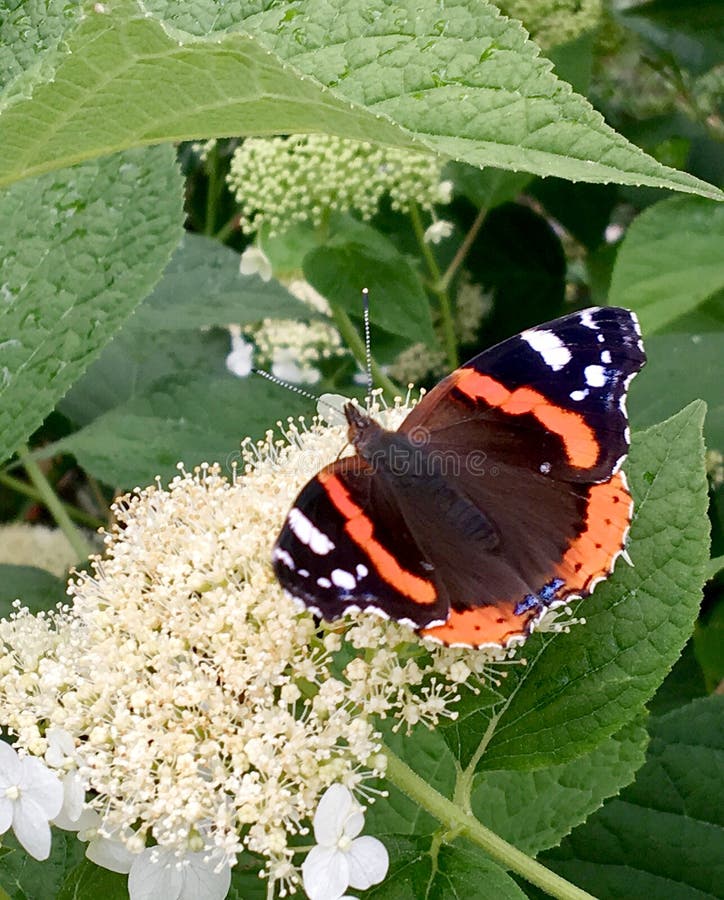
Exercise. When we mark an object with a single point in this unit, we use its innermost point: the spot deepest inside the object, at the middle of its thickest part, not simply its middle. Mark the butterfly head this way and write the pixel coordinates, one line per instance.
(362, 429)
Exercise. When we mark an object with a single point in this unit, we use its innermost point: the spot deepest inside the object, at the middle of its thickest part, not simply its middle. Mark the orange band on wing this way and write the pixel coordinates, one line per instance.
(484, 625)
(608, 517)
(578, 438)
(360, 528)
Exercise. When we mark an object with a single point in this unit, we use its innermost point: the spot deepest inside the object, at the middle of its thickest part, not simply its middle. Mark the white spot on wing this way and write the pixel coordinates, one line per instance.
(587, 320)
(344, 580)
(579, 395)
(605, 356)
(324, 582)
(308, 533)
(554, 352)
(595, 376)
(284, 557)
(362, 571)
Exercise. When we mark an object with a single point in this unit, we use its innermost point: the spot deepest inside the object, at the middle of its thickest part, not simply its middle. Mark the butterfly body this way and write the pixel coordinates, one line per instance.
(499, 496)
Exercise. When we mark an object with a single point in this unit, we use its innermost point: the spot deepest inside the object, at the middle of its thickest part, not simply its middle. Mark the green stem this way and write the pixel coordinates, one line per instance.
(463, 250)
(22, 487)
(440, 291)
(225, 232)
(455, 819)
(54, 505)
(356, 345)
(212, 190)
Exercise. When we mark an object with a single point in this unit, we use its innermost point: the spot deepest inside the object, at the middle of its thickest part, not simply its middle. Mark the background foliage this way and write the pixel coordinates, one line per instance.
(120, 271)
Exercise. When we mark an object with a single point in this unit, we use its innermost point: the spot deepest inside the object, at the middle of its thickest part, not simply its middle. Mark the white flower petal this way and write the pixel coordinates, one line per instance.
(159, 880)
(9, 766)
(255, 262)
(31, 828)
(325, 873)
(39, 784)
(61, 747)
(354, 824)
(335, 807)
(368, 862)
(200, 880)
(111, 855)
(241, 358)
(6, 814)
(88, 819)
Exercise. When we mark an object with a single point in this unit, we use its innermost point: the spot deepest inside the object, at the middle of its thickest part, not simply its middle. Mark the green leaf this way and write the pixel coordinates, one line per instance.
(426, 752)
(681, 368)
(89, 882)
(83, 247)
(690, 31)
(486, 187)
(465, 84)
(25, 878)
(202, 286)
(455, 871)
(664, 837)
(709, 646)
(670, 261)
(535, 810)
(36, 588)
(357, 256)
(579, 688)
(684, 683)
(192, 420)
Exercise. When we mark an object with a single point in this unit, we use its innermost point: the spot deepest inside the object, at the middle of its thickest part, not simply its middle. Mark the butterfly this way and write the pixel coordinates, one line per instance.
(500, 496)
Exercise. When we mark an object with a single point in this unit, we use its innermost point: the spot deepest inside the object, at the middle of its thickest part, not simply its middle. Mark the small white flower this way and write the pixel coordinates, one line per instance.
(60, 755)
(286, 367)
(105, 849)
(241, 359)
(255, 262)
(158, 874)
(341, 859)
(30, 795)
(438, 231)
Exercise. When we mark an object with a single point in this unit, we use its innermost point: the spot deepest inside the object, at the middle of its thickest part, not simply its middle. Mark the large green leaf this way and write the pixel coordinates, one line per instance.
(690, 31)
(181, 418)
(664, 837)
(535, 810)
(25, 878)
(357, 256)
(202, 286)
(168, 334)
(681, 368)
(37, 588)
(82, 249)
(462, 82)
(578, 688)
(670, 261)
(450, 872)
(89, 882)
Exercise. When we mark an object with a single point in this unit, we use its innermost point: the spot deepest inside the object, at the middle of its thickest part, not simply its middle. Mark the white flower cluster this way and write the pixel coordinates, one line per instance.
(280, 181)
(203, 711)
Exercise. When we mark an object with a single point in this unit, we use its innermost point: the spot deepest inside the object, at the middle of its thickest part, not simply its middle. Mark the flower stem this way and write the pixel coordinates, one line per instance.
(453, 818)
(54, 505)
(440, 290)
(356, 345)
(463, 250)
(27, 490)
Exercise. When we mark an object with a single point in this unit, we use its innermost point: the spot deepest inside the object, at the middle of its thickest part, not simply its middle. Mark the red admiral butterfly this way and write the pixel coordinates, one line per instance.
(500, 496)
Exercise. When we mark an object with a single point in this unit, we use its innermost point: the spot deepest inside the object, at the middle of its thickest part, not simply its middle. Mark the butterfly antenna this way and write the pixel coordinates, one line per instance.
(285, 384)
(320, 401)
(368, 347)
